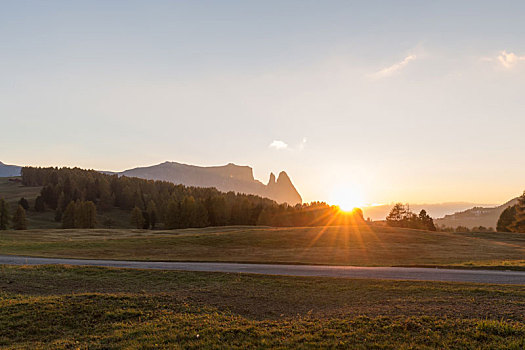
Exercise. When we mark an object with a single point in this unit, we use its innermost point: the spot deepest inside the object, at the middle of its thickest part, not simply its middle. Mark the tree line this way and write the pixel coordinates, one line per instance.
(512, 219)
(401, 216)
(77, 196)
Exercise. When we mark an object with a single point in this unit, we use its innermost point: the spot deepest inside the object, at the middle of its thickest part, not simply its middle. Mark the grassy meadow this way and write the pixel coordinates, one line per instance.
(363, 245)
(54, 307)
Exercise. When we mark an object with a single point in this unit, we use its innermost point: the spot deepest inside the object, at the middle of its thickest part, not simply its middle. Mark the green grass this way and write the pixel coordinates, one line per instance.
(99, 308)
(349, 245)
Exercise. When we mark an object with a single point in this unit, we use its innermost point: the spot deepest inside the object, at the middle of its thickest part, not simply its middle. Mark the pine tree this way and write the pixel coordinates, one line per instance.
(58, 215)
(397, 215)
(24, 203)
(519, 221)
(79, 215)
(145, 216)
(153, 214)
(19, 219)
(188, 211)
(137, 220)
(426, 221)
(4, 215)
(201, 216)
(68, 217)
(172, 219)
(89, 214)
(40, 204)
(506, 219)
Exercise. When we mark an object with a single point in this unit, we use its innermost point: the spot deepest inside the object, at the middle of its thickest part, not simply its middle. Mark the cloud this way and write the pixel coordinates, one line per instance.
(281, 145)
(385, 72)
(278, 145)
(509, 59)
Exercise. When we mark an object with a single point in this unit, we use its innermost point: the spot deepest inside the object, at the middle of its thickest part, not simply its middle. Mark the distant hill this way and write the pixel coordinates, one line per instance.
(9, 170)
(225, 178)
(477, 216)
(435, 210)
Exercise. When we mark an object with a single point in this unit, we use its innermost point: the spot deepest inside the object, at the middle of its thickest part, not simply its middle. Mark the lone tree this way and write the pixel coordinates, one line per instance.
(426, 221)
(519, 221)
(4, 214)
(19, 219)
(397, 215)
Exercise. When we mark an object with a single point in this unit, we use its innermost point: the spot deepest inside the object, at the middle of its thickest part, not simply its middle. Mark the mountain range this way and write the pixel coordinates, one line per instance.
(435, 210)
(240, 179)
(225, 178)
(9, 170)
(477, 216)
(465, 214)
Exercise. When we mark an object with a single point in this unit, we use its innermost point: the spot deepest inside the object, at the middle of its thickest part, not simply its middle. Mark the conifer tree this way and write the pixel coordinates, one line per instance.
(40, 204)
(506, 219)
(137, 220)
(19, 219)
(519, 221)
(188, 210)
(172, 219)
(4, 215)
(24, 203)
(201, 215)
(89, 214)
(68, 217)
(153, 214)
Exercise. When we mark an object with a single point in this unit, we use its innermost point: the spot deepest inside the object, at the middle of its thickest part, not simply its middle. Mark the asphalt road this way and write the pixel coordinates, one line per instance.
(391, 273)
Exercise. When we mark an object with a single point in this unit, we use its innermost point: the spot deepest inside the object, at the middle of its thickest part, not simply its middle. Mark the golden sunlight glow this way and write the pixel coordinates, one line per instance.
(347, 197)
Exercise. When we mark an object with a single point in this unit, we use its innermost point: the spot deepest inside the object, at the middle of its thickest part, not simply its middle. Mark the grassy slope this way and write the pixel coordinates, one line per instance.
(73, 307)
(12, 192)
(350, 245)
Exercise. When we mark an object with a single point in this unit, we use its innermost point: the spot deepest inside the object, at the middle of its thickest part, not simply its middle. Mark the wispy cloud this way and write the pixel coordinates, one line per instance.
(388, 71)
(278, 145)
(509, 59)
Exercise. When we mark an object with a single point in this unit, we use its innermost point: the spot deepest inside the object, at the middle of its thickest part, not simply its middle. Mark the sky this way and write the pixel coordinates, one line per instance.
(377, 101)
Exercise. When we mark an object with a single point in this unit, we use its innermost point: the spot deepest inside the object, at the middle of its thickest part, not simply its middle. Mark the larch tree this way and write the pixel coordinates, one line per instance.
(137, 220)
(519, 221)
(4, 215)
(153, 214)
(506, 219)
(24, 203)
(19, 219)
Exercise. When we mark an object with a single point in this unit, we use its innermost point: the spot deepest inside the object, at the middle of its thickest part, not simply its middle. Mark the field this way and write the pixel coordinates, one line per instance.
(101, 308)
(71, 307)
(349, 245)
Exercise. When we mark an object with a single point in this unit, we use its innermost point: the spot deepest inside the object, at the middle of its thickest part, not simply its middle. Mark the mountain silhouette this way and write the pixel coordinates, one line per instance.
(477, 216)
(9, 170)
(225, 178)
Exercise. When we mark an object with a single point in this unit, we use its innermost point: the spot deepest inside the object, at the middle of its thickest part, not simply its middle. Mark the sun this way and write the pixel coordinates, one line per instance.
(347, 197)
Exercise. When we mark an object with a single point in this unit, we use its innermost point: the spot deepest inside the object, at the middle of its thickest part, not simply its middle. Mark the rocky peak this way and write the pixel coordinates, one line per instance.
(272, 179)
(283, 178)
